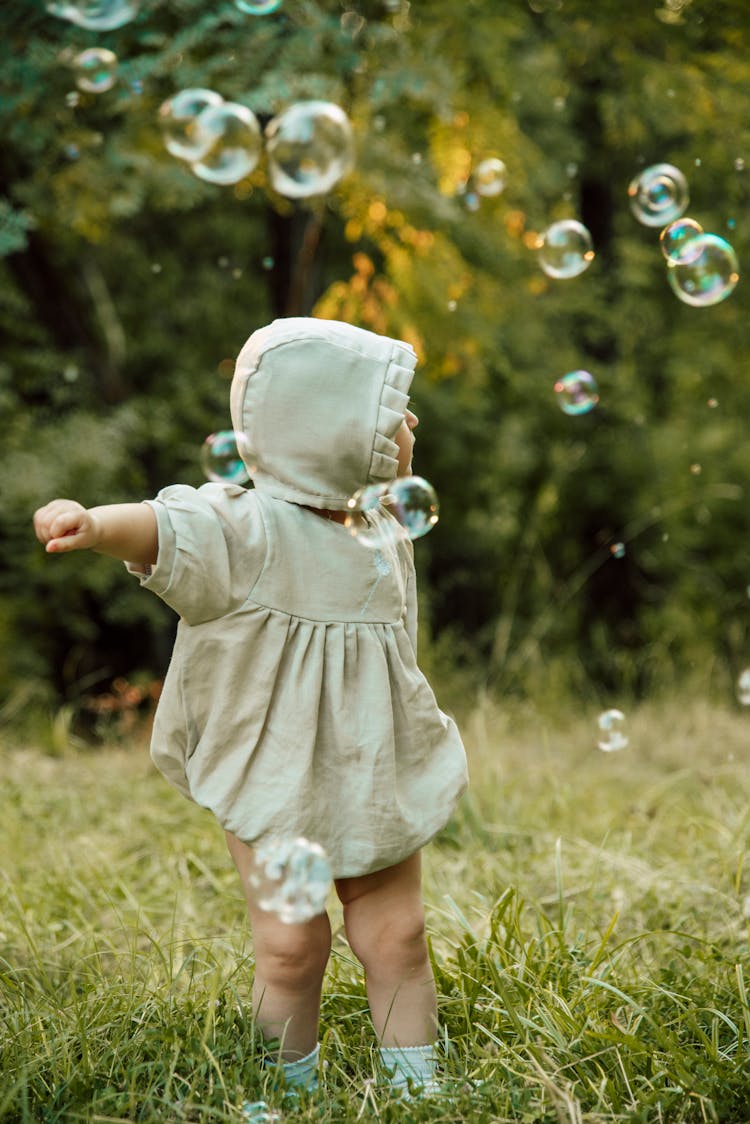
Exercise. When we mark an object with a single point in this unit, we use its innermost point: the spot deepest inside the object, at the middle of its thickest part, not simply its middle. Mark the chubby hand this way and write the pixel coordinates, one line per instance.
(64, 525)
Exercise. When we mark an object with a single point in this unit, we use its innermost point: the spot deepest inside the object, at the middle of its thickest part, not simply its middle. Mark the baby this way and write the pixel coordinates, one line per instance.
(293, 704)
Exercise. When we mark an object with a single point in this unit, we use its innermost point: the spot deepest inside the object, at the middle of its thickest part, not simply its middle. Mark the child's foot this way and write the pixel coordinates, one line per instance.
(258, 1112)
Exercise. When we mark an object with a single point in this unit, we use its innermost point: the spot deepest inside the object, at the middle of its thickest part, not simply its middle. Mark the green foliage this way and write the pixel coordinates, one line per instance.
(128, 286)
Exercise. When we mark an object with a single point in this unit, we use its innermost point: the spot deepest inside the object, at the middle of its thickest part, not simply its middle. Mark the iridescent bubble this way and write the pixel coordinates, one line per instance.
(577, 392)
(743, 687)
(310, 147)
(178, 118)
(707, 273)
(233, 143)
(406, 508)
(565, 249)
(489, 177)
(258, 7)
(617, 550)
(96, 15)
(659, 195)
(221, 459)
(291, 878)
(96, 70)
(675, 240)
(612, 734)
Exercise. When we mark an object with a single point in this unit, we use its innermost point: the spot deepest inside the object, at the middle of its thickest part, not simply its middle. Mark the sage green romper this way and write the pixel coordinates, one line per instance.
(293, 703)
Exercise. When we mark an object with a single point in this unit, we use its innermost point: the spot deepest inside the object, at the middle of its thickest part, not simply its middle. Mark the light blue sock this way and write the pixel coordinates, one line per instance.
(415, 1064)
(302, 1073)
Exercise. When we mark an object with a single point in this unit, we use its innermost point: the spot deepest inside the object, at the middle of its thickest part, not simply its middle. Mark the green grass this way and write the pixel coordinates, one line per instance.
(588, 913)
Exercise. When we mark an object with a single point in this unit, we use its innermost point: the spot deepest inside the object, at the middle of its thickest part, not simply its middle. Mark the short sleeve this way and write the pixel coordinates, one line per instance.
(212, 546)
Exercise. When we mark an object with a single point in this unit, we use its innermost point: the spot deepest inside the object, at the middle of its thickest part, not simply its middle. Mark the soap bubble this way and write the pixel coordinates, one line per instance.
(291, 878)
(378, 514)
(706, 274)
(676, 240)
(258, 7)
(617, 550)
(612, 734)
(489, 177)
(178, 117)
(95, 70)
(743, 687)
(96, 15)
(310, 148)
(233, 143)
(565, 249)
(659, 195)
(221, 460)
(577, 392)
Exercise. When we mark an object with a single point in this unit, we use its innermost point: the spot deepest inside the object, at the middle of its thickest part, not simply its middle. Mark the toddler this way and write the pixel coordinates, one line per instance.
(293, 704)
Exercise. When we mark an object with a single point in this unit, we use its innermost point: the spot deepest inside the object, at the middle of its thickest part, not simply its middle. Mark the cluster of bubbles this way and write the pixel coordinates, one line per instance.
(380, 514)
(565, 249)
(702, 268)
(577, 392)
(612, 731)
(95, 15)
(377, 515)
(309, 146)
(221, 458)
(220, 140)
(290, 878)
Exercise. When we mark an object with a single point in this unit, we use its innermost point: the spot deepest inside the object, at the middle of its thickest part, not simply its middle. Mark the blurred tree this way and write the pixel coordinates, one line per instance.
(128, 286)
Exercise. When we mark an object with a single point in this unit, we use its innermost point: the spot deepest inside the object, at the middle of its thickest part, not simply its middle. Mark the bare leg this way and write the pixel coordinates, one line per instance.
(384, 921)
(290, 961)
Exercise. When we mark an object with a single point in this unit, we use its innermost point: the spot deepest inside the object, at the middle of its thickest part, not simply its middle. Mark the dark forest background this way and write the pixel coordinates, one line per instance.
(128, 286)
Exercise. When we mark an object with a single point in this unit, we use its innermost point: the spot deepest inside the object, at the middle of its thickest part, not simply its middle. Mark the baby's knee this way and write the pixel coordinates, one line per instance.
(292, 956)
(396, 941)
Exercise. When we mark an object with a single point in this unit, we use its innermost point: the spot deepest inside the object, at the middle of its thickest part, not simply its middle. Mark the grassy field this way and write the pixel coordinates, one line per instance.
(589, 918)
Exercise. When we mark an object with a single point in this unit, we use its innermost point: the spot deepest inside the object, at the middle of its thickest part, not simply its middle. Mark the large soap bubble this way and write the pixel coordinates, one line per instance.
(310, 147)
(221, 457)
(230, 137)
(659, 195)
(178, 117)
(705, 273)
(577, 392)
(675, 238)
(565, 249)
(96, 15)
(291, 878)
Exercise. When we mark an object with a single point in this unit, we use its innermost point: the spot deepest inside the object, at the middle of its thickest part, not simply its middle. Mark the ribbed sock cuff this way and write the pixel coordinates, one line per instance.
(415, 1064)
(303, 1073)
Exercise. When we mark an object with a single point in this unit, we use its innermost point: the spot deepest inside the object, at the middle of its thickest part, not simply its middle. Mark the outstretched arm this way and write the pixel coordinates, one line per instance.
(123, 530)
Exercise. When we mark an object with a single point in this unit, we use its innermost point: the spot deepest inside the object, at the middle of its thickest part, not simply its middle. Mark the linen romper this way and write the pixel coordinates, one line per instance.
(293, 703)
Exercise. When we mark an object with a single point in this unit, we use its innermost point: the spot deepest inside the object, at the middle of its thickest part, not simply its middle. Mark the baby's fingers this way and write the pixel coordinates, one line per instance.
(70, 530)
